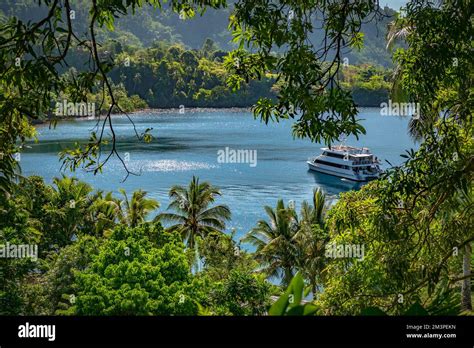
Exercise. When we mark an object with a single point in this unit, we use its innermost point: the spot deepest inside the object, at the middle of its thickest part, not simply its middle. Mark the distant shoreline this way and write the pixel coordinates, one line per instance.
(39, 122)
(160, 111)
(190, 109)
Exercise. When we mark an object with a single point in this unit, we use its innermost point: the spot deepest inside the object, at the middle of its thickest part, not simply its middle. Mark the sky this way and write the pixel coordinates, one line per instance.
(395, 4)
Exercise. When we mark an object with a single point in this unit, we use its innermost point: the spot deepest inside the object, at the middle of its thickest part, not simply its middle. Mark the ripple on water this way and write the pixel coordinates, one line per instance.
(168, 165)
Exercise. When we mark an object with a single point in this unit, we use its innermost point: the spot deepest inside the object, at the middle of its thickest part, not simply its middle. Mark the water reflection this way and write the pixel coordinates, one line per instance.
(333, 185)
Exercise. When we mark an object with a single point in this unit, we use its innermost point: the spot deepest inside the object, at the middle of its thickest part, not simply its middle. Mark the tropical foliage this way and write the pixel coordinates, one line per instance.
(100, 254)
(137, 271)
(194, 217)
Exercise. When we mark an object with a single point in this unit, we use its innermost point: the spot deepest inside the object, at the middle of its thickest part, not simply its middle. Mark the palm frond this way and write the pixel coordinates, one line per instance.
(170, 217)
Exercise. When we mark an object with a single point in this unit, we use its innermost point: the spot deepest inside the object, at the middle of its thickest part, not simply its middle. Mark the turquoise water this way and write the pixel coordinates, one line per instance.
(187, 144)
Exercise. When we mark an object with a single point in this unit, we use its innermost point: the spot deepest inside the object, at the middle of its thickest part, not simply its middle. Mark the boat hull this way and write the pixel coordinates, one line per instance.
(348, 176)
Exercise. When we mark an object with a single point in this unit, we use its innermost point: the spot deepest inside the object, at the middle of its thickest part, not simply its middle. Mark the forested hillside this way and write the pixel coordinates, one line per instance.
(148, 25)
(167, 76)
(163, 60)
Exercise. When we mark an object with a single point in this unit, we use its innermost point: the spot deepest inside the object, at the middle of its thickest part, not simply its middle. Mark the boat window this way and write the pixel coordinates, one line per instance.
(330, 154)
(331, 164)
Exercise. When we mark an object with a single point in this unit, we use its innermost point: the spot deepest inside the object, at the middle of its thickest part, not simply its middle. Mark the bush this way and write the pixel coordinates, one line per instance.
(138, 271)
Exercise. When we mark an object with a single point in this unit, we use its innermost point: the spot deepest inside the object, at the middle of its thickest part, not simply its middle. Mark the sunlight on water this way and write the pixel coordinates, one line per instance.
(167, 166)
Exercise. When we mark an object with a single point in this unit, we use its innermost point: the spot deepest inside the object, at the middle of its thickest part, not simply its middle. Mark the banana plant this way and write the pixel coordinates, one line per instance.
(290, 302)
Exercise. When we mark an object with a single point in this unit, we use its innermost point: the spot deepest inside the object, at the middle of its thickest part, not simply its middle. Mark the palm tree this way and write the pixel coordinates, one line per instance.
(71, 190)
(315, 214)
(103, 213)
(274, 240)
(136, 80)
(398, 31)
(311, 239)
(193, 216)
(133, 212)
(460, 216)
(66, 211)
(466, 301)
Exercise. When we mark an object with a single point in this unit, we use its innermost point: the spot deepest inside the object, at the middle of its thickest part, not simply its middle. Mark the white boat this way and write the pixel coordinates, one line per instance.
(352, 163)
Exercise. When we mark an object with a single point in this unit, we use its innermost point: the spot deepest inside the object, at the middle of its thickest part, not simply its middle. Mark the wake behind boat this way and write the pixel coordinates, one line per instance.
(352, 163)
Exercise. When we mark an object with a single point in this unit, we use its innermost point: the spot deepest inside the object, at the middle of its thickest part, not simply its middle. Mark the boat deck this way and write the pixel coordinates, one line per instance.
(351, 150)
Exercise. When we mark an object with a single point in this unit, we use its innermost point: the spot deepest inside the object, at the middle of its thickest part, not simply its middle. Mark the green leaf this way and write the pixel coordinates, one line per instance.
(309, 309)
(416, 309)
(279, 307)
(297, 287)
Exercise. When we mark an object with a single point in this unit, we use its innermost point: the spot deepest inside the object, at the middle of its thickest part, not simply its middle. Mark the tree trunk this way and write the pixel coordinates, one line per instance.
(288, 276)
(314, 289)
(466, 304)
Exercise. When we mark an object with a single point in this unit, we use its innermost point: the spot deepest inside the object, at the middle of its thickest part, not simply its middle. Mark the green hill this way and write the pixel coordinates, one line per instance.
(148, 25)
